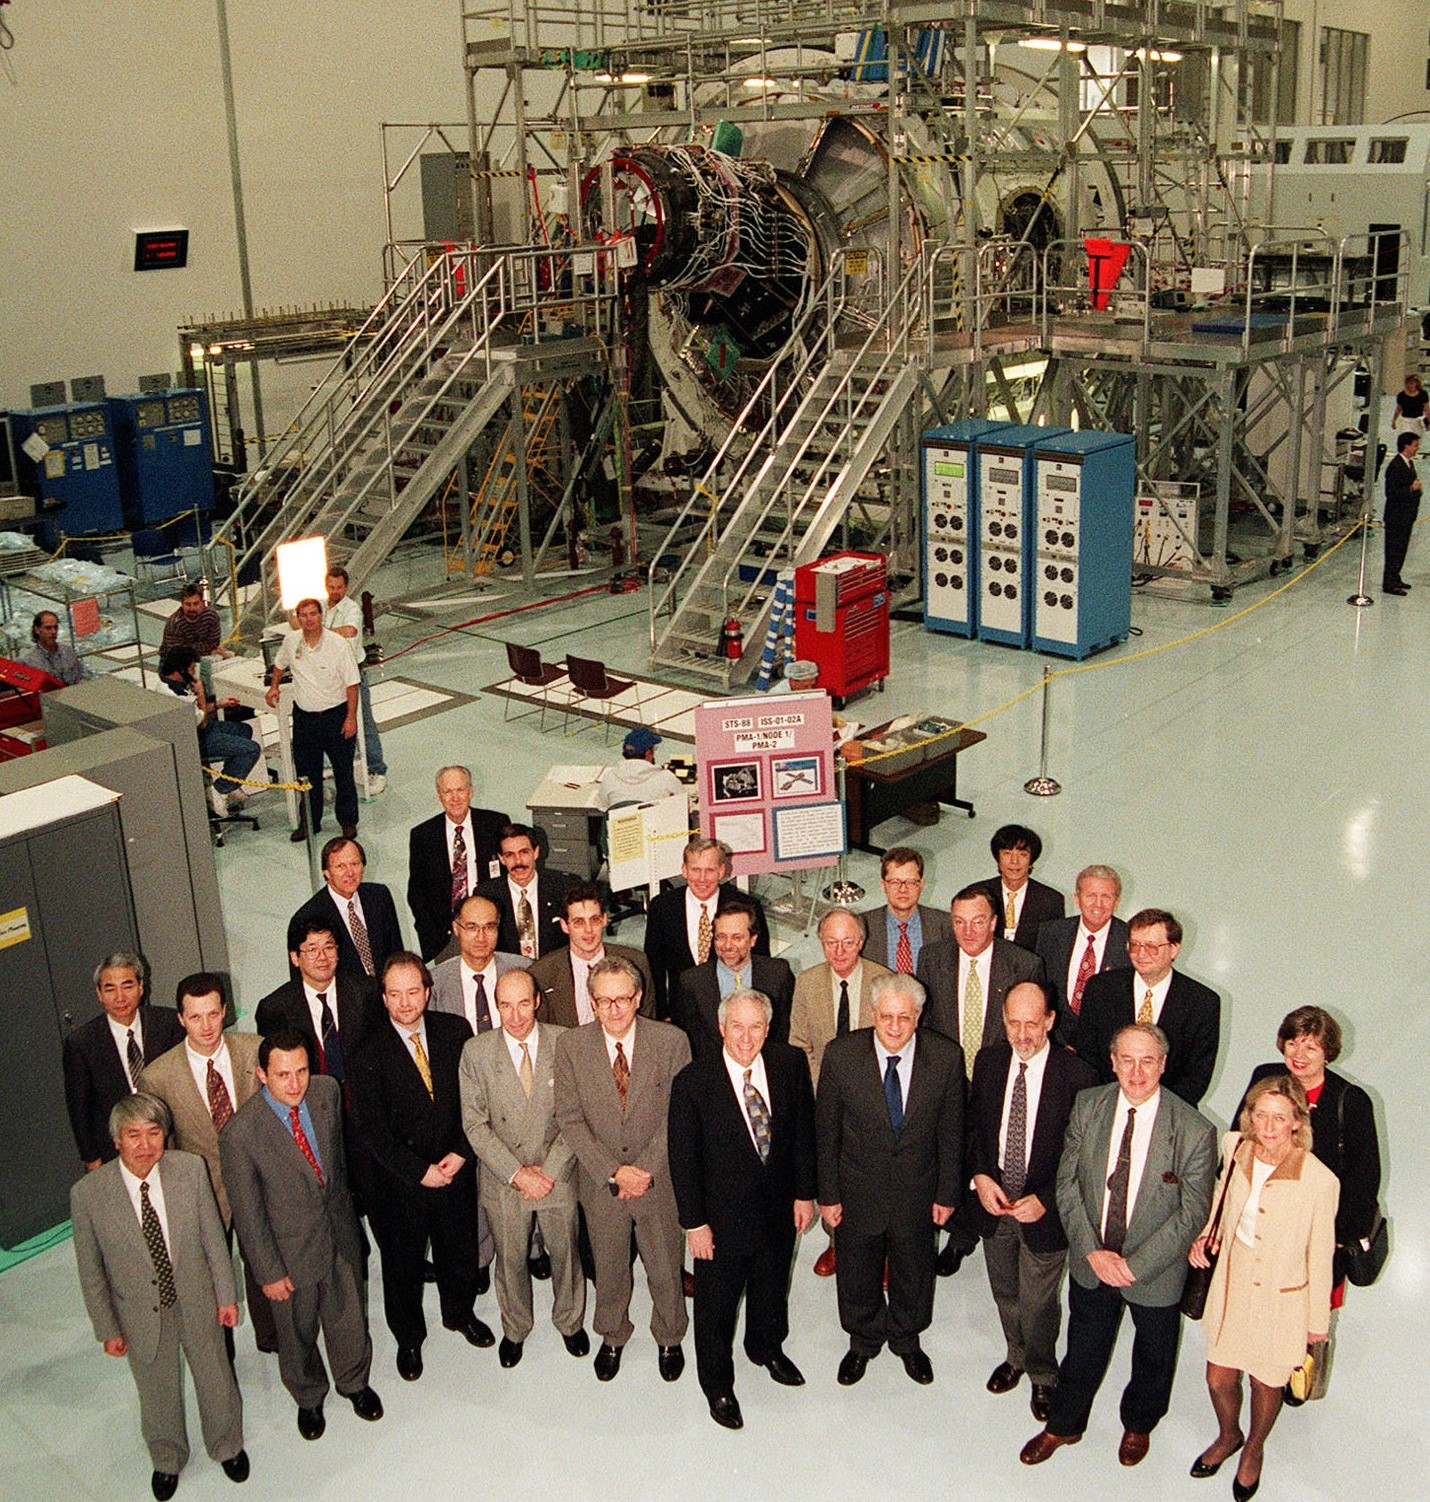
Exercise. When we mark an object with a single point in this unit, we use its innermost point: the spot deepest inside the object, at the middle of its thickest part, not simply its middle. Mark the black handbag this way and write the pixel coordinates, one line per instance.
(1361, 1260)
(1199, 1279)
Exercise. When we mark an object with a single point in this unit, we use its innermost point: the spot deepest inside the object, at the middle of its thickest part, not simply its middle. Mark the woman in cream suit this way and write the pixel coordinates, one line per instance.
(1270, 1292)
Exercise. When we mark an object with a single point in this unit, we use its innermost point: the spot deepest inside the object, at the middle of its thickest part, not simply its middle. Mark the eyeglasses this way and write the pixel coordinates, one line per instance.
(317, 951)
(477, 928)
(1142, 946)
(903, 881)
(629, 999)
(841, 943)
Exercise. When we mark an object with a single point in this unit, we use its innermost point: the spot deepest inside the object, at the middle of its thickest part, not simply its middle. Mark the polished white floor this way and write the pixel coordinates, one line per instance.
(1264, 782)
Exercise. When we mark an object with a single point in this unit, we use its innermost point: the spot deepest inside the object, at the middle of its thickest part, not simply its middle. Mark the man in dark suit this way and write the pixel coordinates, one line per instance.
(156, 1276)
(408, 1108)
(448, 856)
(742, 1161)
(899, 930)
(613, 1082)
(1402, 506)
(286, 1175)
(1020, 904)
(1018, 1110)
(560, 976)
(1074, 949)
(1187, 1012)
(1134, 1188)
(889, 1124)
(733, 966)
(104, 1057)
(680, 923)
(528, 901)
(362, 913)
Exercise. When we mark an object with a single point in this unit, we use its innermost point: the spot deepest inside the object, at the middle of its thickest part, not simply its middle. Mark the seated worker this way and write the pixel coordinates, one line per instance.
(637, 779)
(48, 654)
(228, 741)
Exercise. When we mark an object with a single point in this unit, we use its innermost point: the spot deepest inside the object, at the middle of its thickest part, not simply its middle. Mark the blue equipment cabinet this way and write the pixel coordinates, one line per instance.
(1005, 553)
(78, 469)
(165, 455)
(1084, 497)
(950, 507)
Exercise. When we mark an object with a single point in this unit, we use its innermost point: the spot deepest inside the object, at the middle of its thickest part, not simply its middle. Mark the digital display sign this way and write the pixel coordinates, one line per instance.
(160, 249)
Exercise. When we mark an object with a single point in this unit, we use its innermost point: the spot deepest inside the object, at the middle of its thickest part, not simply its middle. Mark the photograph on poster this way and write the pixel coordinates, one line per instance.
(809, 832)
(743, 833)
(796, 777)
(735, 782)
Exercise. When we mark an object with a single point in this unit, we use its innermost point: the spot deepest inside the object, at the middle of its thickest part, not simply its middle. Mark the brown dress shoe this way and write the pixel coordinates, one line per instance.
(1005, 1377)
(1134, 1447)
(1041, 1446)
(824, 1263)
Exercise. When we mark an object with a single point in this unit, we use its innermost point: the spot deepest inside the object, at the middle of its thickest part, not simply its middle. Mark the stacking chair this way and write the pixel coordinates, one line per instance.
(527, 667)
(590, 680)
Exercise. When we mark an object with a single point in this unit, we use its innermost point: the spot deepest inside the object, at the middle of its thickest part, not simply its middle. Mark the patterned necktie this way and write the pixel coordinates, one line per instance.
(483, 1009)
(332, 1048)
(893, 1095)
(972, 1034)
(360, 938)
(1015, 1151)
(158, 1252)
(704, 936)
(841, 1021)
(220, 1103)
(1144, 1012)
(904, 954)
(420, 1059)
(304, 1146)
(135, 1057)
(623, 1074)
(459, 866)
(1115, 1231)
(759, 1115)
(1010, 914)
(526, 928)
(1085, 967)
(525, 1073)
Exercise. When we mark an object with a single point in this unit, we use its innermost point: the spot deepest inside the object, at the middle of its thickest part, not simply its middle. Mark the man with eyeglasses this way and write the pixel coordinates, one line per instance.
(613, 1081)
(1188, 1012)
(561, 975)
(899, 930)
(467, 983)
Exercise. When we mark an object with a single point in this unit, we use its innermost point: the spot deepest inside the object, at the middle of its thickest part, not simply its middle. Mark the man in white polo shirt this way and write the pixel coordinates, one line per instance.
(325, 710)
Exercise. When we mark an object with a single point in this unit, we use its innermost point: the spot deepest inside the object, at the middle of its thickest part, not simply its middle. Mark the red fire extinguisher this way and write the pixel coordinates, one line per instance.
(732, 634)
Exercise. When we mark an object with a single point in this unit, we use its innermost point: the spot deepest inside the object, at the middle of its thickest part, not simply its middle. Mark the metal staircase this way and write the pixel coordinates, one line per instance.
(834, 403)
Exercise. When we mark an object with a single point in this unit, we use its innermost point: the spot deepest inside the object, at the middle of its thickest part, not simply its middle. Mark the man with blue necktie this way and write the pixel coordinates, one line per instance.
(733, 965)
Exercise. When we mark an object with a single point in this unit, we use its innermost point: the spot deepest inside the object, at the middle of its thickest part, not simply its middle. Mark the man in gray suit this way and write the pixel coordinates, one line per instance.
(467, 983)
(156, 1275)
(613, 1080)
(286, 1175)
(1134, 1188)
(507, 1080)
(899, 930)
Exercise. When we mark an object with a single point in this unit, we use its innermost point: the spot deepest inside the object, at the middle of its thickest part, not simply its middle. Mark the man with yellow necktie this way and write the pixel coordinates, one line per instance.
(1188, 1012)
(528, 897)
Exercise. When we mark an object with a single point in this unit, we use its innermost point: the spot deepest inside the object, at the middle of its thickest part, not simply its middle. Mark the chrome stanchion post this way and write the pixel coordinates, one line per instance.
(842, 892)
(1360, 599)
(1043, 786)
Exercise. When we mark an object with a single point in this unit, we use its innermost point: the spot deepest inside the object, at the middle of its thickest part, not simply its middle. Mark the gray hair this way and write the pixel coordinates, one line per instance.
(140, 1109)
(765, 1004)
(898, 984)
(1148, 1030)
(835, 912)
(121, 960)
(699, 844)
(455, 767)
(614, 964)
(1099, 873)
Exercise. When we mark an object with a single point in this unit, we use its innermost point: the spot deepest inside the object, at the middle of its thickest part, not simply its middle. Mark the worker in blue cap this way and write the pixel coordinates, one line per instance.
(637, 779)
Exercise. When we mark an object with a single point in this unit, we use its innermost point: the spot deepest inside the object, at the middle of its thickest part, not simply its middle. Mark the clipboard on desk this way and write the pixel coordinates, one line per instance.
(645, 842)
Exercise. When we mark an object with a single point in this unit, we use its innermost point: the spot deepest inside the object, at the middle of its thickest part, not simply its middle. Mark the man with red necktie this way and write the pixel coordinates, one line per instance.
(899, 930)
(1084, 944)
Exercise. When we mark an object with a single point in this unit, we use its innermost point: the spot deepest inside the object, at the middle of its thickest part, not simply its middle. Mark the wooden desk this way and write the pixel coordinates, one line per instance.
(878, 790)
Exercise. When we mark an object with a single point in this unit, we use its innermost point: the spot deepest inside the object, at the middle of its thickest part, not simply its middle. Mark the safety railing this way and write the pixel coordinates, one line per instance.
(1128, 297)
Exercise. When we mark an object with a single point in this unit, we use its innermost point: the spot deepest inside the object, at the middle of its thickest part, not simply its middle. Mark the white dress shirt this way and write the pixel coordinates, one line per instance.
(121, 1039)
(1033, 1084)
(1016, 898)
(693, 905)
(342, 906)
(1099, 948)
(199, 1068)
(905, 1067)
(628, 1045)
(156, 1198)
(529, 892)
(531, 1043)
(1159, 995)
(758, 1078)
(580, 980)
(469, 993)
(315, 1008)
(1142, 1125)
(855, 982)
(984, 965)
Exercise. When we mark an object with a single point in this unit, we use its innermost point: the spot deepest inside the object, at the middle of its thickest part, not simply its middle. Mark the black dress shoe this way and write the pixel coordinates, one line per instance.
(783, 1370)
(509, 1352)
(165, 1484)
(851, 1369)
(725, 1410)
(409, 1362)
(1241, 1490)
(608, 1361)
(1042, 1401)
(578, 1343)
(236, 1467)
(918, 1366)
(366, 1404)
(1005, 1377)
(473, 1331)
(539, 1267)
(484, 1280)
(950, 1259)
(1202, 1468)
(311, 1422)
(1396, 589)
(671, 1363)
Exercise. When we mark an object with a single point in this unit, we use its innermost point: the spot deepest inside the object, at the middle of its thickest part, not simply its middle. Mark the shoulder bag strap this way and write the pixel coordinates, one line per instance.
(1214, 1235)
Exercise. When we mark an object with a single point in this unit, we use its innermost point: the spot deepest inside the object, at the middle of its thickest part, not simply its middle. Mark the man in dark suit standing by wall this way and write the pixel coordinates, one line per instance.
(362, 913)
(1018, 1110)
(1021, 905)
(1402, 506)
(742, 1161)
(528, 901)
(1134, 1188)
(1152, 991)
(733, 966)
(104, 1058)
(889, 1121)
(408, 1108)
(1074, 949)
(448, 857)
(286, 1175)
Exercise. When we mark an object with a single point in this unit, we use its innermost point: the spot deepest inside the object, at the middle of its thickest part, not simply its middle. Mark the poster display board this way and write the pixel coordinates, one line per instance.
(766, 777)
(646, 842)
